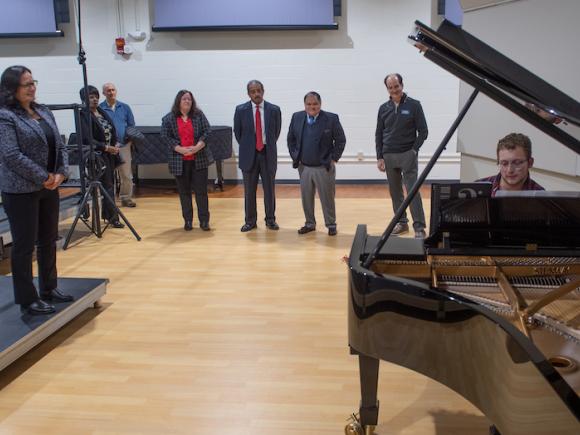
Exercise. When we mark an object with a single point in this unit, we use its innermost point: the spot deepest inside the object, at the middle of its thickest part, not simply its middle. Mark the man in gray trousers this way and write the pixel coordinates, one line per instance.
(401, 130)
(316, 141)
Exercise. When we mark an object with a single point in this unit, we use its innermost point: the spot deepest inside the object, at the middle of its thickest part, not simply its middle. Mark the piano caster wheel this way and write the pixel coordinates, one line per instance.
(355, 428)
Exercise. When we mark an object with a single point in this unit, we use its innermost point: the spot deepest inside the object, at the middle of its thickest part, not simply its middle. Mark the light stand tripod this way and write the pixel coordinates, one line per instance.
(93, 165)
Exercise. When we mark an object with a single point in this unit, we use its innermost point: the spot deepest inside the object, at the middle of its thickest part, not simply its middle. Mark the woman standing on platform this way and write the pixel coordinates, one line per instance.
(185, 130)
(33, 164)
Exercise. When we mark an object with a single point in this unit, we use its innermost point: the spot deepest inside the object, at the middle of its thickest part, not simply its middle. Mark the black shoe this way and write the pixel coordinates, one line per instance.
(117, 224)
(56, 295)
(332, 231)
(248, 227)
(306, 229)
(204, 226)
(272, 226)
(128, 203)
(37, 308)
(400, 229)
(188, 226)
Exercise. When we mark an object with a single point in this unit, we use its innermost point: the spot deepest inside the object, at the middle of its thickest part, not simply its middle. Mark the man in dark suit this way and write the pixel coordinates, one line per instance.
(257, 126)
(316, 141)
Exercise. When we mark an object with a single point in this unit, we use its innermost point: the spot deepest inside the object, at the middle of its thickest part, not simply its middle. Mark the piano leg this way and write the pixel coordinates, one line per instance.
(369, 379)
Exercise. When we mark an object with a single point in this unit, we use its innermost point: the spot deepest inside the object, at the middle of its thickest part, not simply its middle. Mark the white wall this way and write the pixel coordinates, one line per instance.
(346, 67)
(536, 34)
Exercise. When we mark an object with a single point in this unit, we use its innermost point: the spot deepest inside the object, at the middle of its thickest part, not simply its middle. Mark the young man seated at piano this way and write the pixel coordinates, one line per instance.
(514, 159)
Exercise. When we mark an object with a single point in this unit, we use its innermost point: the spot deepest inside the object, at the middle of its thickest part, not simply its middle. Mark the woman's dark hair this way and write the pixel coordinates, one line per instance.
(92, 91)
(175, 109)
(9, 84)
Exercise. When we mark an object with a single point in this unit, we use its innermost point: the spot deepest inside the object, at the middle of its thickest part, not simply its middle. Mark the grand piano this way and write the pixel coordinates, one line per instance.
(489, 303)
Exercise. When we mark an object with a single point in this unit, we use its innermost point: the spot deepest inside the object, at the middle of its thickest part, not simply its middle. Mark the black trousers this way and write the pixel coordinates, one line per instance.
(259, 170)
(195, 180)
(33, 219)
(108, 212)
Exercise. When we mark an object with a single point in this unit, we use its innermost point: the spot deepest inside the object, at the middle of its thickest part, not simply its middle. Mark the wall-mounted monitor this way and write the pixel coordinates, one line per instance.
(29, 18)
(184, 15)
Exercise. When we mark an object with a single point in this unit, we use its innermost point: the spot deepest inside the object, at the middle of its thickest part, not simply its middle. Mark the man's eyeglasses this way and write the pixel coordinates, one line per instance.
(516, 164)
(29, 85)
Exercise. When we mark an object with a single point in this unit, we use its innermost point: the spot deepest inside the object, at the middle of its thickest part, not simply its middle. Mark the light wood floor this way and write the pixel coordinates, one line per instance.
(218, 332)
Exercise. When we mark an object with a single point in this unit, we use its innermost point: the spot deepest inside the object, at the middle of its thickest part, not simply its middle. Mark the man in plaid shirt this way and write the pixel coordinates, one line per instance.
(514, 159)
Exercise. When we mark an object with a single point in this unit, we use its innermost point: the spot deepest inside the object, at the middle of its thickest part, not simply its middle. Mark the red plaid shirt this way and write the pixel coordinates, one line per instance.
(529, 184)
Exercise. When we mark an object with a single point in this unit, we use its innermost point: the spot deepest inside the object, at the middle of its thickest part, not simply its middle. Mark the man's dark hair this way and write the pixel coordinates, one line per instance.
(175, 109)
(513, 140)
(254, 82)
(9, 84)
(313, 94)
(399, 78)
(92, 91)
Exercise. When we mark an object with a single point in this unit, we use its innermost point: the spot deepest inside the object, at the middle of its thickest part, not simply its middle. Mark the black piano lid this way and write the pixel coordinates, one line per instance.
(502, 79)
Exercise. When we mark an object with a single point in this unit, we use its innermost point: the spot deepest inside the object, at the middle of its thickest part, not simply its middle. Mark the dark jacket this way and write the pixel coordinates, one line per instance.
(401, 128)
(24, 151)
(245, 133)
(98, 138)
(170, 135)
(331, 140)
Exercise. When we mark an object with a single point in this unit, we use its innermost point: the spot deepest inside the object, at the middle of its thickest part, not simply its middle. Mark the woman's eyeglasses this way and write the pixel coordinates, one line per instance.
(29, 85)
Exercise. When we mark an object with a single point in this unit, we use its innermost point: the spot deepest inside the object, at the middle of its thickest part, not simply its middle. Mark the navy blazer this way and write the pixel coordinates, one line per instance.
(245, 133)
(170, 135)
(24, 150)
(331, 140)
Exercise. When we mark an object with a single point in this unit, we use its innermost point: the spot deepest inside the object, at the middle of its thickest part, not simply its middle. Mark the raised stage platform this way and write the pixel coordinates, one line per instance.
(21, 332)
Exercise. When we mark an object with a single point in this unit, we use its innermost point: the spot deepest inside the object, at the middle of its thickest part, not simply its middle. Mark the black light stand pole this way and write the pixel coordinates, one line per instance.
(95, 188)
(77, 114)
(75, 108)
(410, 195)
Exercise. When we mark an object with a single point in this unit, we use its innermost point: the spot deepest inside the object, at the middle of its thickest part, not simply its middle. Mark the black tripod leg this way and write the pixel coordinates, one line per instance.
(80, 211)
(96, 218)
(108, 198)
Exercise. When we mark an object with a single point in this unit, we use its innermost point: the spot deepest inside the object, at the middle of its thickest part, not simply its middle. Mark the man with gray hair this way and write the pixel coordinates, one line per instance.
(400, 133)
(122, 117)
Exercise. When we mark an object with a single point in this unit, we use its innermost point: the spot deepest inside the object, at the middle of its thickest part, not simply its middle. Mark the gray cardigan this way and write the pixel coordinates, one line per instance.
(24, 151)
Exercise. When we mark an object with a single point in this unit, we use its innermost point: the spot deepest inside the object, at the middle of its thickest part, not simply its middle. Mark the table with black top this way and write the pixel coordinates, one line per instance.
(154, 149)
